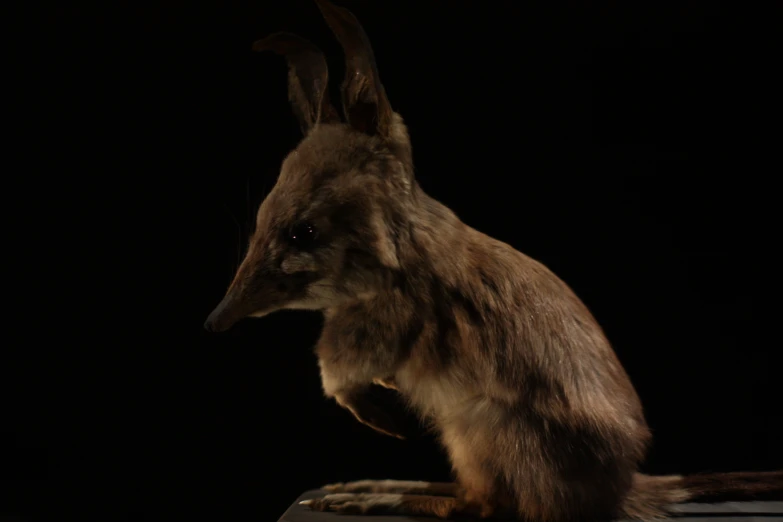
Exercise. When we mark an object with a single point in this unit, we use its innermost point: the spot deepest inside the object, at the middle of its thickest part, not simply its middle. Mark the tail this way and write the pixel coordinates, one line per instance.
(650, 496)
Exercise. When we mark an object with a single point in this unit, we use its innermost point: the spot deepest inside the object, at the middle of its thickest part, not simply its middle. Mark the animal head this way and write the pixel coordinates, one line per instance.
(325, 234)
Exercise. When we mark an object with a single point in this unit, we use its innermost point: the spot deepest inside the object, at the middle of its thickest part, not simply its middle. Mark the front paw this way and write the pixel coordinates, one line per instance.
(355, 503)
(366, 412)
(388, 383)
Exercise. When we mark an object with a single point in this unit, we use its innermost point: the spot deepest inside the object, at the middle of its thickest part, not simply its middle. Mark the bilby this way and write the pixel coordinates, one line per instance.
(539, 418)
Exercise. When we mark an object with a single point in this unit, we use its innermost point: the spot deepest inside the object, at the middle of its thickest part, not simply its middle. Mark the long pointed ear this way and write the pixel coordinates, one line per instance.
(364, 100)
(308, 78)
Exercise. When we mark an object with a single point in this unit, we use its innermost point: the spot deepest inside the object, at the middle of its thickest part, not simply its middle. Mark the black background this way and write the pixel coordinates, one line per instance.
(629, 148)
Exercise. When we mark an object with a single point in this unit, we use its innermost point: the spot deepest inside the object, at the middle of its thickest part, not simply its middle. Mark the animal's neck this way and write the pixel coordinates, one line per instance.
(439, 244)
(434, 249)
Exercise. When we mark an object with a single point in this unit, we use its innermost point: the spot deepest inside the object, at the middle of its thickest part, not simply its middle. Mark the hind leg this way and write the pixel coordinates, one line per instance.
(481, 493)
(400, 487)
(384, 504)
(407, 505)
(476, 494)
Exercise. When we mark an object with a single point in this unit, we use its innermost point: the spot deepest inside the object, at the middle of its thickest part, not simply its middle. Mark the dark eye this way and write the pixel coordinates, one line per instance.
(303, 235)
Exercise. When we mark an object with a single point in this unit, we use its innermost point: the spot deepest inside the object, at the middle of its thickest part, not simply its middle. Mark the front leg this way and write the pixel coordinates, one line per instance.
(350, 389)
(357, 401)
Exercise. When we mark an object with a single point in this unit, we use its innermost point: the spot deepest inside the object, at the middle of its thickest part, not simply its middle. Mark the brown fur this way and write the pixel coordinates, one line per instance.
(540, 420)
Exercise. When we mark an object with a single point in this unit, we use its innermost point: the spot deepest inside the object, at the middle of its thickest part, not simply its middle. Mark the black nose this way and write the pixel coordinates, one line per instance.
(230, 310)
(214, 323)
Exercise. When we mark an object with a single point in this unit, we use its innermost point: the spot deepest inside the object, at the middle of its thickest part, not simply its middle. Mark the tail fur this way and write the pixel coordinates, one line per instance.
(650, 496)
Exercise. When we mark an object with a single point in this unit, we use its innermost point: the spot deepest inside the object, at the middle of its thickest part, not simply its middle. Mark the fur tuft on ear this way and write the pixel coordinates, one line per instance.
(365, 104)
(308, 78)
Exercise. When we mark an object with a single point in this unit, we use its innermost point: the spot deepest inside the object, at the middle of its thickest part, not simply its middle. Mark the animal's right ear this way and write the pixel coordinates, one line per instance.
(308, 78)
(365, 104)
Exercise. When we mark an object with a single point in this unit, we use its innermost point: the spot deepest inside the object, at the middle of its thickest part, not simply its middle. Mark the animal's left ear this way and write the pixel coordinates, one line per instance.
(308, 78)
(364, 100)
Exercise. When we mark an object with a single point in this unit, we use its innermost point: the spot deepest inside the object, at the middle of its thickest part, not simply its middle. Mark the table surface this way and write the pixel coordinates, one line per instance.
(723, 512)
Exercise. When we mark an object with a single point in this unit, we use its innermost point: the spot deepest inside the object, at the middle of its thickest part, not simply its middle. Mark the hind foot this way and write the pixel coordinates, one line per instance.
(409, 487)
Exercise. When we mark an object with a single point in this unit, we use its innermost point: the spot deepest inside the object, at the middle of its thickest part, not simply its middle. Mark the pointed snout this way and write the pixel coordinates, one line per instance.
(220, 319)
(255, 289)
(228, 312)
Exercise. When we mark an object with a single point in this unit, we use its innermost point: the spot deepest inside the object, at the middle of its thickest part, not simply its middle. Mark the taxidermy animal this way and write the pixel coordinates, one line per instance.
(539, 419)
